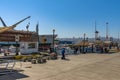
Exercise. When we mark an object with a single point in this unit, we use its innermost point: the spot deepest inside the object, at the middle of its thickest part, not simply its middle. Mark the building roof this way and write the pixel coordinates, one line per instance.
(21, 31)
(82, 43)
(48, 35)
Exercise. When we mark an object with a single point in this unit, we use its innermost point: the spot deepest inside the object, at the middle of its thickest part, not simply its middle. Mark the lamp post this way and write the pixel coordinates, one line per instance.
(84, 44)
(53, 38)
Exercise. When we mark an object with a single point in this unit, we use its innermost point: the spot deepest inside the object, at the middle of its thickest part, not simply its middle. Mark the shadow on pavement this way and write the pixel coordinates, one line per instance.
(66, 59)
(13, 76)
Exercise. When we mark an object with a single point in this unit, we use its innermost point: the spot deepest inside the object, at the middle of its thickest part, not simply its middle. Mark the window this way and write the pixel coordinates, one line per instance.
(31, 45)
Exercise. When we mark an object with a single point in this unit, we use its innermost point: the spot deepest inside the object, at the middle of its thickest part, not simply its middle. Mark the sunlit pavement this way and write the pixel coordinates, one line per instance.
(90, 66)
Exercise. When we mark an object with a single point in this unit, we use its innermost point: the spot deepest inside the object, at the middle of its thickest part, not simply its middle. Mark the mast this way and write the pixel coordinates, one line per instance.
(96, 32)
(107, 30)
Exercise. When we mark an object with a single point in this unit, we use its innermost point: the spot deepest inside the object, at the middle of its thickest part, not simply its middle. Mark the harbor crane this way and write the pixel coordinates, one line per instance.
(6, 28)
(3, 22)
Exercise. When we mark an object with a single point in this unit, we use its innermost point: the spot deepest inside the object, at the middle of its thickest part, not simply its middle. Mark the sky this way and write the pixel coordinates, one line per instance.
(69, 18)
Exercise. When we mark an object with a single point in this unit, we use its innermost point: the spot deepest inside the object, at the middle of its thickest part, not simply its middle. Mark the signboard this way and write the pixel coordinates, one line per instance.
(16, 38)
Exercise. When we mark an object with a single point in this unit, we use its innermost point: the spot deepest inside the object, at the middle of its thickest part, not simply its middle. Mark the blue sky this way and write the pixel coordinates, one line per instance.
(68, 17)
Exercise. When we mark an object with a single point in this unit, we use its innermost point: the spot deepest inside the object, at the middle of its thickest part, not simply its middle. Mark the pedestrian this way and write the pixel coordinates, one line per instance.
(48, 50)
(76, 50)
(63, 53)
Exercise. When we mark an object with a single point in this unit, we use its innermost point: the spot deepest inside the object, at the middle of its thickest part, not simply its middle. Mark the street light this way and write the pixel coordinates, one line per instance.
(53, 38)
(84, 43)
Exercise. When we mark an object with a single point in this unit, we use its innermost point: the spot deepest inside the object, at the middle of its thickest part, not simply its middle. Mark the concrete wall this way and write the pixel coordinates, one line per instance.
(26, 48)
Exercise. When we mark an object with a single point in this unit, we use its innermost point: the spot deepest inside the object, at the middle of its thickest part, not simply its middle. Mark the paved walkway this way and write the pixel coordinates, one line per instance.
(78, 67)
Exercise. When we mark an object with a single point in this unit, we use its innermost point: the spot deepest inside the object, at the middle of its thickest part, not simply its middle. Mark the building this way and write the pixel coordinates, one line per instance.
(46, 42)
(27, 40)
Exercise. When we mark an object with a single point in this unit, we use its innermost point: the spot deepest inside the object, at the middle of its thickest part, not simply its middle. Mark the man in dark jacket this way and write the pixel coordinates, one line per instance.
(63, 53)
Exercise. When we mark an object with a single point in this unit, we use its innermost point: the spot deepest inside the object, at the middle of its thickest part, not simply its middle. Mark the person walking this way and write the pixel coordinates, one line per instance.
(63, 53)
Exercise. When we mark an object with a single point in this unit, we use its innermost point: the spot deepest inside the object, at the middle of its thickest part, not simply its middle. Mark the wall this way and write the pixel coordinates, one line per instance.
(28, 47)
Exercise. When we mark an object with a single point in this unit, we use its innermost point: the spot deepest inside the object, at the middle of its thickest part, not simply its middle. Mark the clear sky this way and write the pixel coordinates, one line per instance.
(68, 17)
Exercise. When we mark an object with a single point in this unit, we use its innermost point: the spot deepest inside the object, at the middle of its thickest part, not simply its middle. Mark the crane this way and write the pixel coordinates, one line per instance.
(3, 22)
(6, 28)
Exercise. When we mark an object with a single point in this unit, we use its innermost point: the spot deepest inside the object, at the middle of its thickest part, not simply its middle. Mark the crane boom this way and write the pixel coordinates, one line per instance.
(3, 22)
(3, 29)
(20, 21)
